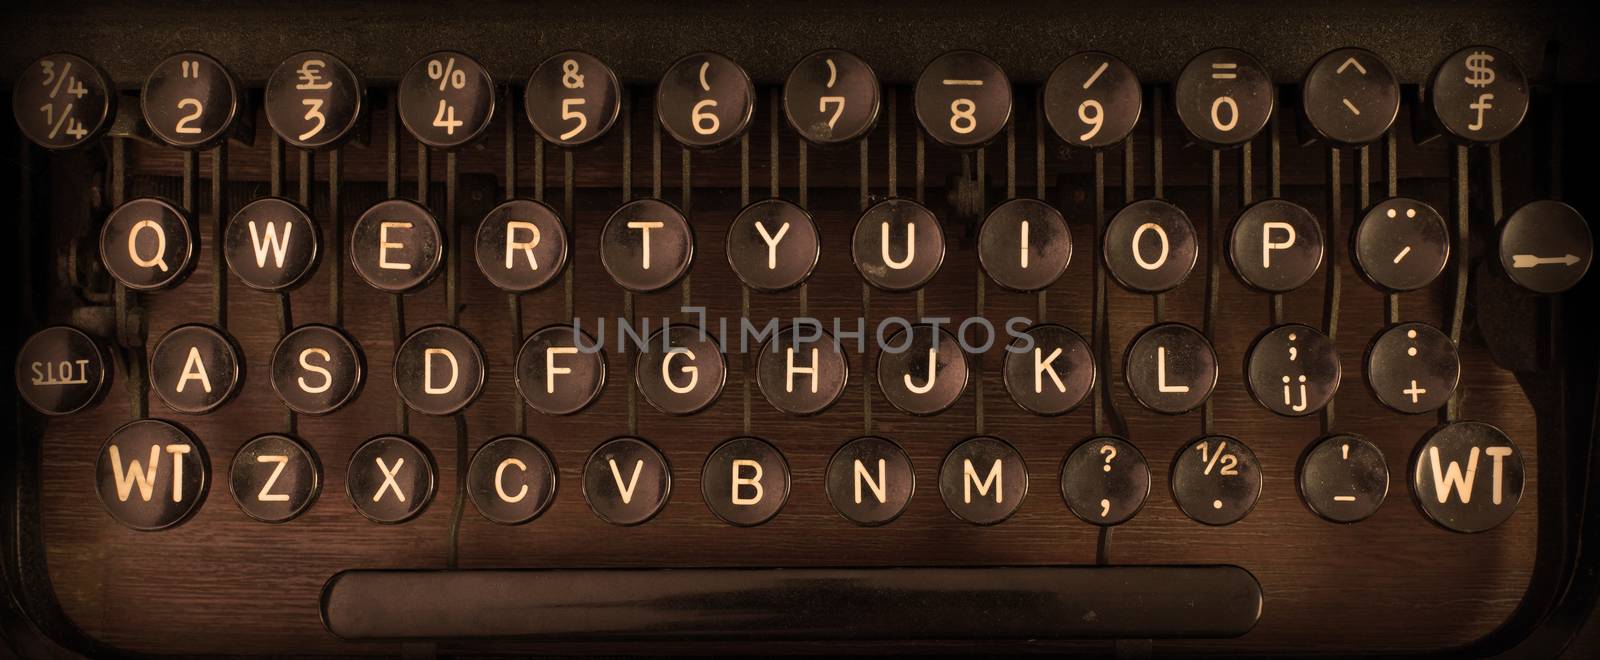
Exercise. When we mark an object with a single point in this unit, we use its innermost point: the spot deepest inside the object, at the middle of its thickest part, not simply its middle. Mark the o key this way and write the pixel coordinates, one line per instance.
(1150, 246)
(62, 101)
(705, 100)
(314, 100)
(147, 245)
(572, 99)
(191, 101)
(963, 99)
(1224, 97)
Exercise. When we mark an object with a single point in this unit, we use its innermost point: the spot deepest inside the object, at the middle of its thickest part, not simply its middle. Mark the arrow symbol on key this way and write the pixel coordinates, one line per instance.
(1529, 261)
(1351, 62)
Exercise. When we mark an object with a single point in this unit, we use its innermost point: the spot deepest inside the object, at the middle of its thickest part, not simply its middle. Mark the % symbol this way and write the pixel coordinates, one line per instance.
(447, 74)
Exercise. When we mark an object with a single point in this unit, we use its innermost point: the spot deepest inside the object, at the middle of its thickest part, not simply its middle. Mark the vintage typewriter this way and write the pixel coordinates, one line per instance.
(1130, 329)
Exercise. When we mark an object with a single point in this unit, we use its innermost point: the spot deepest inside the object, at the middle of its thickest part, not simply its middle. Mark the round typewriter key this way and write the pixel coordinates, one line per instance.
(1401, 244)
(317, 369)
(1052, 377)
(446, 99)
(1105, 481)
(1150, 246)
(390, 479)
(557, 372)
(1293, 370)
(1467, 476)
(745, 481)
(647, 245)
(983, 480)
(928, 372)
(1350, 97)
(396, 246)
(705, 100)
(196, 368)
(146, 244)
(626, 481)
(522, 245)
(439, 370)
(898, 245)
(1216, 480)
(151, 474)
(1024, 245)
(1276, 245)
(62, 101)
(802, 370)
(1413, 367)
(572, 99)
(271, 244)
(773, 245)
(1092, 100)
(190, 101)
(1170, 368)
(680, 371)
(1478, 94)
(275, 478)
(1224, 97)
(62, 370)
(963, 99)
(870, 481)
(512, 480)
(1343, 478)
(831, 97)
(1546, 246)
(314, 100)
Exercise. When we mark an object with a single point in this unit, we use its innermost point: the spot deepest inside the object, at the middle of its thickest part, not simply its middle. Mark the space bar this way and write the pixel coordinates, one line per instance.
(795, 603)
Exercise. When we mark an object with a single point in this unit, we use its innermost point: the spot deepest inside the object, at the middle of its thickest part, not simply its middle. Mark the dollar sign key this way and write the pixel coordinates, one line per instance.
(1479, 73)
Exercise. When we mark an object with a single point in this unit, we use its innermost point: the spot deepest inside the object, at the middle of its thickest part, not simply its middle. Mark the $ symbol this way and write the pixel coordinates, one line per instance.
(1478, 66)
(570, 77)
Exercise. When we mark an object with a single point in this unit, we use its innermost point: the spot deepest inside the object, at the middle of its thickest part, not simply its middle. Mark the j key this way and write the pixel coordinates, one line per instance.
(521, 245)
(1467, 476)
(1092, 100)
(62, 370)
(831, 97)
(647, 245)
(560, 370)
(1105, 481)
(1343, 478)
(1150, 246)
(512, 480)
(275, 478)
(317, 369)
(446, 99)
(802, 370)
(898, 245)
(152, 474)
(870, 481)
(705, 100)
(62, 101)
(1293, 370)
(1276, 245)
(680, 371)
(773, 245)
(271, 244)
(1216, 480)
(1350, 97)
(572, 99)
(1546, 247)
(191, 101)
(1478, 94)
(147, 245)
(626, 481)
(439, 370)
(1401, 244)
(1412, 367)
(390, 480)
(1170, 368)
(1053, 377)
(922, 370)
(1024, 245)
(1225, 97)
(983, 480)
(196, 368)
(745, 481)
(397, 246)
(963, 99)
(314, 100)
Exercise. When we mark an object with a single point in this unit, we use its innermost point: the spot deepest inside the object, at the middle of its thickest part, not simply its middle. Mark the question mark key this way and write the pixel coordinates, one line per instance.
(1105, 480)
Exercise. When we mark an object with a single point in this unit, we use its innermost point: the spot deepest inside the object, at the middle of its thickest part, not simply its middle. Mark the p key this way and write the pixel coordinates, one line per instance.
(1276, 245)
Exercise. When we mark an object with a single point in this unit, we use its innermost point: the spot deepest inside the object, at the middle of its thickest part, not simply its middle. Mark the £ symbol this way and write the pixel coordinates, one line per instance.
(570, 78)
(1480, 75)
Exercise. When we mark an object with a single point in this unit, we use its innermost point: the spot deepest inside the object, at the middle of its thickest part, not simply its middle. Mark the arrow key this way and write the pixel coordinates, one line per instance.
(1546, 246)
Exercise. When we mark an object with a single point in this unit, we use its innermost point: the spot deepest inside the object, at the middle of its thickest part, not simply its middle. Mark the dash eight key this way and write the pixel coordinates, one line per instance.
(963, 99)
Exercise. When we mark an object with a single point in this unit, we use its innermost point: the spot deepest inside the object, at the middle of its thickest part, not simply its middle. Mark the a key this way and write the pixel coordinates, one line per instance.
(195, 368)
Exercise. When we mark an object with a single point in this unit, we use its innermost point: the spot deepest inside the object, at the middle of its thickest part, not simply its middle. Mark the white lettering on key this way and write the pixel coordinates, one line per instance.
(271, 242)
(550, 368)
(1044, 367)
(384, 245)
(625, 491)
(159, 261)
(427, 370)
(879, 487)
(933, 355)
(1451, 478)
(135, 474)
(792, 370)
(1267, 244)
(1138, 253)
(693, 371)
(194, 369)
(645, 227)
(512, 244)
(911, 247)
(327, 376)
(753, 482)
(1161, 373)
(499, 480)
(993, 478)
(388, 479)
(772, 242)
(266, 494)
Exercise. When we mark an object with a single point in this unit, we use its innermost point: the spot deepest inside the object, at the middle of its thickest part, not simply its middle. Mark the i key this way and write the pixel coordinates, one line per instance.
(1024, 245)
(705, 100)
(195, 368)
(191, 101)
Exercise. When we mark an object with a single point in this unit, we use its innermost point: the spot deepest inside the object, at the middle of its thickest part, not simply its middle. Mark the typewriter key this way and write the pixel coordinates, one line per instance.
(922, 370)
(146, 245)
(1170, 368)
(62, 370)
(1343, 478)
(1401, 244)
(705, 100)
(1293, 370)
(151, 474)
(572, 99)
(773, 245)
(317, 369)
(1467, 476)
(446, 99)
(196, 368)
(831, 97)
(439, 370)
(397, 246)
(1105, 481)
(271, 244)
(802, 370)
(680, 371)
(745, 481)
(1224, 97)
(963, 99)
(1024, 245)
(1349, 97)
(313, 100)
(1150, 246)
(559, 374)
(521, 246)
(275, 478)
(62, 101)
(1412, 367)
(390, 479)
(1478, 94)
(1216, 480)
(1545, 246)
(647, 245)
(983, 480)
(898, 245)
(191, 101)
(1054, 376)
(870, 481)
(512, 480)
(1276, 245)
(626, 481)
(1092, 100)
